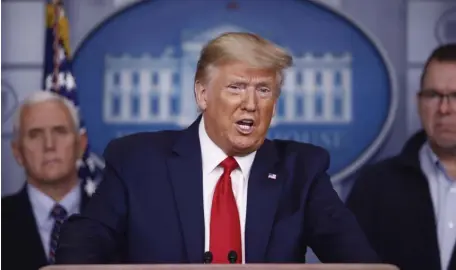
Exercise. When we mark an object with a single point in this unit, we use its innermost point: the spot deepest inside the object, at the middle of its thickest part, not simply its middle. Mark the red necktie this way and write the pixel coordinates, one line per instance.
(225, 235)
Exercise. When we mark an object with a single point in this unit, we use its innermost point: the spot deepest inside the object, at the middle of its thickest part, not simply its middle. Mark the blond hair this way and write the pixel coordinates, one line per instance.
(242, 47)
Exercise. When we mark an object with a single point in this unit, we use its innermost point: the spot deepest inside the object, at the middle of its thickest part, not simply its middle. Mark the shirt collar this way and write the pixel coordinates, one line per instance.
(432, 158)
(431, 155)
(430, 162)
(42, 204)
(212, 155)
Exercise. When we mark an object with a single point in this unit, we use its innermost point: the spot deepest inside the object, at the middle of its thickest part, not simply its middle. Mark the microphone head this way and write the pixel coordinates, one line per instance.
(232, 256)
(208, 257)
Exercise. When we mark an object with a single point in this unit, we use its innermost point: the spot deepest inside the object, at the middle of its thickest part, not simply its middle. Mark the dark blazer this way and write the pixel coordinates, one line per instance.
(21, 242)
(392, 202)
(149, 207)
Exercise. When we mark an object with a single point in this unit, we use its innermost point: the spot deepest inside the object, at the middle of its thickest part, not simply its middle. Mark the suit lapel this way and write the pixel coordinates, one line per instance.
(426, 230)
(420, 205)
(29, 231)
(452, 264)
(263, 196)
(185, 170)
(26, 224)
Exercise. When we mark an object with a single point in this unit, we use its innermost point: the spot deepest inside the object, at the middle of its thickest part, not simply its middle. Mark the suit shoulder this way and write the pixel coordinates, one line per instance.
(10, 199)
(377, 179)
(138, 142)
(304, 149)
(307, 155)
(379, 172)
(10, 204)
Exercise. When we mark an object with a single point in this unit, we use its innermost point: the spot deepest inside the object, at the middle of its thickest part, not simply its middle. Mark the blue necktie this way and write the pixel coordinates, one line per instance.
(59, 214)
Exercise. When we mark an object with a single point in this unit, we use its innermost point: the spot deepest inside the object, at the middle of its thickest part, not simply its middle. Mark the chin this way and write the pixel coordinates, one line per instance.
(245, 146)
(447, 144)
(444, 140)
(52, 178)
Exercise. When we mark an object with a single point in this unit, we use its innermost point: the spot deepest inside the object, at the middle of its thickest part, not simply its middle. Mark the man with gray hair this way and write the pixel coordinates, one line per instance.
(218, 191)
(47, 144)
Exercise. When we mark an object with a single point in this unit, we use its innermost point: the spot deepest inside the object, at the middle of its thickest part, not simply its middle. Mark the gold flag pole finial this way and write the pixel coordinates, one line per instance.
(57, 21)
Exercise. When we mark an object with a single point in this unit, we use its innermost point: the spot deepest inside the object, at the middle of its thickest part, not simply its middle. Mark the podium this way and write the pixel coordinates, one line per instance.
(225, 267)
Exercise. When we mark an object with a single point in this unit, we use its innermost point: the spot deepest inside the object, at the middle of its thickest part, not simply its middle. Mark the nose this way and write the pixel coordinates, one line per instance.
(49, 141)
(250, 100)
(445, 106)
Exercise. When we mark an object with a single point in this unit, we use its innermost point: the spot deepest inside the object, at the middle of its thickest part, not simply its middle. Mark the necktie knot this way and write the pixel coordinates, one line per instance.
(229, 164)
(59, 213)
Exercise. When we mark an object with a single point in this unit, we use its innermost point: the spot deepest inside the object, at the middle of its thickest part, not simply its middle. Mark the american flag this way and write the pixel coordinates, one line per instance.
(58, 77)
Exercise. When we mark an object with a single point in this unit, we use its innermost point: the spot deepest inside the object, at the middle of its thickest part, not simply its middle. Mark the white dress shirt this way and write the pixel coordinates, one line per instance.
(212, 156)
(443, 194)
(42, 206)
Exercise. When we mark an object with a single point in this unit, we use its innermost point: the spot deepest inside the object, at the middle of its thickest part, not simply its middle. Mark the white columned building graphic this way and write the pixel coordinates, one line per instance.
(149, 89)
(317, 89)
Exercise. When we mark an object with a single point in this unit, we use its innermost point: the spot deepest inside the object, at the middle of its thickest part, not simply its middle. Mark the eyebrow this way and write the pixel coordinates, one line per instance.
(259, 81)
(35, 129)
(451, 91)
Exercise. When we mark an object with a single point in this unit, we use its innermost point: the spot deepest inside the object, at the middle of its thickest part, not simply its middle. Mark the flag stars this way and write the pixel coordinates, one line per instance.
(70, 82)
(90, 163)
(90, 187)
(65, 79)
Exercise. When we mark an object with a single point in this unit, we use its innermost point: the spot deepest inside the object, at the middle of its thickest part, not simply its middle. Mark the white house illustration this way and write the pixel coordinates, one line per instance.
(159, 90)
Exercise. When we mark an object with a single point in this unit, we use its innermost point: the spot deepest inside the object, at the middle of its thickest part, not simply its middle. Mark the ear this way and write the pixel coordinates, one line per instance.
(17, 152)
(201, 95)
(82, 144)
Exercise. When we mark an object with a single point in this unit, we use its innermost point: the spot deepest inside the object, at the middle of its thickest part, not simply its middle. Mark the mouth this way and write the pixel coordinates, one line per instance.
(51, 161)
(446, 127)
(245, 126)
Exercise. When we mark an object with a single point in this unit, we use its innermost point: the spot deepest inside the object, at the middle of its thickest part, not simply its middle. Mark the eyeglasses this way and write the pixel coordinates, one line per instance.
(434, 98)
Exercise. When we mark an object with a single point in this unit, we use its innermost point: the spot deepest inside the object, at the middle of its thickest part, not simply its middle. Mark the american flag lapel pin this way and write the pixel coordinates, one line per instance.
(272, 176)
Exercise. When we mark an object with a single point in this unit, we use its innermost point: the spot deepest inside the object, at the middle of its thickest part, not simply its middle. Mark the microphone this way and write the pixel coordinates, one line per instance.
(207, 257)
(232, 256)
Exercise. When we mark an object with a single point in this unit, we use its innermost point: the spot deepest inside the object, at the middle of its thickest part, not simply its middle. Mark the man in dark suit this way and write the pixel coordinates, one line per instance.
(407, 204)
(219, 187)
(47, 143)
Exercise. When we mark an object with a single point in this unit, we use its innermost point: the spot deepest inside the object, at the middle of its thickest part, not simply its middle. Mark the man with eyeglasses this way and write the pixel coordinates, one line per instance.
(407, 204)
